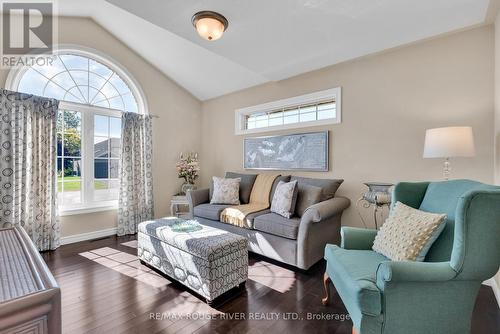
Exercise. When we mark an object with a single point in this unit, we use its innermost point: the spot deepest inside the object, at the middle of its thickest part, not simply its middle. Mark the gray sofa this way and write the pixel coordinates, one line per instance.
(299, 241)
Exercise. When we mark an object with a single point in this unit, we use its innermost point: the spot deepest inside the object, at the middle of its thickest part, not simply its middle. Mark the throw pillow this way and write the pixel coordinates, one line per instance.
(226, 191)
(307, 195)
(284, 178)
(328, 186)
(284, 198)
(408, 233)
(246, 184)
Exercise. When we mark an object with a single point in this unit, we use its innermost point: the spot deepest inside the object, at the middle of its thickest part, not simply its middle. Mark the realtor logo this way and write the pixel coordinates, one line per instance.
(27, 28)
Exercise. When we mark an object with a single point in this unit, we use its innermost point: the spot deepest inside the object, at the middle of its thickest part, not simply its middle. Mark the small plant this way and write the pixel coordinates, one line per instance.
(188, 167)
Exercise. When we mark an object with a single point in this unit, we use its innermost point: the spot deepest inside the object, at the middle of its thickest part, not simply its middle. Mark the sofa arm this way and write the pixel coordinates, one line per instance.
(319, 225)
(409, 271)
(357, 238)
(324, 210)
(197, 197)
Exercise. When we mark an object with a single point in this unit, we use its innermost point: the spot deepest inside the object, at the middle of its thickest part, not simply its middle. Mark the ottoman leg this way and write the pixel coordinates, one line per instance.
(242, 285)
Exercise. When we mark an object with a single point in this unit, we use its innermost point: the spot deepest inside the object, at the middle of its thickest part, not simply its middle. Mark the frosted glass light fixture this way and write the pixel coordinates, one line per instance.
(449, 142)
(209, 25)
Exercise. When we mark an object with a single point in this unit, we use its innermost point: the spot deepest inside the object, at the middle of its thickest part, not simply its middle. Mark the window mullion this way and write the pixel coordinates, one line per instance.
(88, 157)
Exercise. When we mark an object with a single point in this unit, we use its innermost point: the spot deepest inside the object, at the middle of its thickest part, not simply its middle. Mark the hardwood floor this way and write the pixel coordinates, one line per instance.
(106, 290)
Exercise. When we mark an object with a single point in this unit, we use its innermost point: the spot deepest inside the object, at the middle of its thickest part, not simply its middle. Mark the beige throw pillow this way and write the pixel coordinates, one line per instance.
(407, 232)
(226, 191)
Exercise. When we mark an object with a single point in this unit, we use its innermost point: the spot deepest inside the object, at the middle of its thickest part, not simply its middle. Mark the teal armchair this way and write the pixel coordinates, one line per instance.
(434, 296)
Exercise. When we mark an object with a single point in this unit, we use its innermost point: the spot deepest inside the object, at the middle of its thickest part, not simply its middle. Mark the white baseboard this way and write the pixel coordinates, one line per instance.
(70, 239)
(494, 286)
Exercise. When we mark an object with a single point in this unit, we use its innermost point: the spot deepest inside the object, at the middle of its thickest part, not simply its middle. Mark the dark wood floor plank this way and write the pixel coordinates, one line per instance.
(109, 294)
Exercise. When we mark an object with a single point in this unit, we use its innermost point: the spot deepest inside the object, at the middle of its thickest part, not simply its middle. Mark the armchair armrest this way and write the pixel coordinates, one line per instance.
(357, 238)
(324, 210)
(197, 197)
(409, 271)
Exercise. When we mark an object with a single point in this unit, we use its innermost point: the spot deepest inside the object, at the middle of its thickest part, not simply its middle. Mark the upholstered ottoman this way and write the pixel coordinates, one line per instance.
(208, 260)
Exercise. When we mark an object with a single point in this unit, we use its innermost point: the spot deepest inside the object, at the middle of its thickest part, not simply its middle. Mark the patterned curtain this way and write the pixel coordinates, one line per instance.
(27, 163)
(135, 203)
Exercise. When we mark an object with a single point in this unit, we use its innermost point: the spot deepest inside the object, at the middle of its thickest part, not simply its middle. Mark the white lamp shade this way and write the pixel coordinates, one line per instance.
(455, 141)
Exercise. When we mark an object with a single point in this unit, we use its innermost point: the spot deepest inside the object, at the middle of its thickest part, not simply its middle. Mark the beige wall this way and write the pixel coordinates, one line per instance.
(388, 100)
(497, 111)
(176, 130)
(497, 99)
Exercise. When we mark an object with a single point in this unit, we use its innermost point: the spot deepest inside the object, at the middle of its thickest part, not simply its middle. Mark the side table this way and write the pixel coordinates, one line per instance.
(378, 196)
(176, 202)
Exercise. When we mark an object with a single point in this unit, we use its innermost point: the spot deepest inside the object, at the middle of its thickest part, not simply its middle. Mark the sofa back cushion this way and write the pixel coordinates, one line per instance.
(328, 186)
(307, 195)
(246, 185)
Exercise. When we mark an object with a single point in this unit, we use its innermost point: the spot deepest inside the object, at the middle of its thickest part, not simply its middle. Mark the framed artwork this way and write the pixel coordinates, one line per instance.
(301, 151)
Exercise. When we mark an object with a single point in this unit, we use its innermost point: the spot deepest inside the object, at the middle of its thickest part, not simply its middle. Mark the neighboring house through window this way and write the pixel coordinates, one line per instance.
(94, 91)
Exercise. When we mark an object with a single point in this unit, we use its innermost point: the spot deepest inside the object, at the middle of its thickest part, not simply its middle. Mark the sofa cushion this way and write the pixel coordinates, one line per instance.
(285, 198)
(275, 224)
(328, 186)
(250, 218)
(246, 184)
(355, 272)
(226, 191)
(307, 195)
(284, 178)
(408, 233)
(209, 211)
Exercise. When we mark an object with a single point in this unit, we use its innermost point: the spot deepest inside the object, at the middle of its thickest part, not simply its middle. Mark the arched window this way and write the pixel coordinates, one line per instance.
(93, 91)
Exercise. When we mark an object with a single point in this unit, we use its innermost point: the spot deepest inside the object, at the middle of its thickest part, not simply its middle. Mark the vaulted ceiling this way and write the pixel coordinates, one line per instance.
(269, 40)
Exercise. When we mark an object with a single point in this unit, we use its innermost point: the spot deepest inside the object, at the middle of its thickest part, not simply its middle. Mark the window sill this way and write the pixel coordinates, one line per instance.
(298, 125)
(87, 209)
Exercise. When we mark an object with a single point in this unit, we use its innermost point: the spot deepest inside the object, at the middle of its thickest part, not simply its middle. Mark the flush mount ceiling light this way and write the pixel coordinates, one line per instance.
(209, 25)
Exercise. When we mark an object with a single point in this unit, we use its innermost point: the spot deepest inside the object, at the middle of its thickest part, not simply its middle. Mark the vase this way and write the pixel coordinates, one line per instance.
(187, 187)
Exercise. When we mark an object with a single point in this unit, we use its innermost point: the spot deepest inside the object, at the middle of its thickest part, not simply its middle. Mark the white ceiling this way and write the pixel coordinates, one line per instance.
(269, 40)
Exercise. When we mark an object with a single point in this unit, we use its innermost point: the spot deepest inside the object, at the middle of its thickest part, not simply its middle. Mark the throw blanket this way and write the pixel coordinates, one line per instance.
(259, 200)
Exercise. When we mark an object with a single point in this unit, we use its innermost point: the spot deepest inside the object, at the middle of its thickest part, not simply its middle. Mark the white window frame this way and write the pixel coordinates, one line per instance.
(88, 204)
(87, 118)
(316, 97)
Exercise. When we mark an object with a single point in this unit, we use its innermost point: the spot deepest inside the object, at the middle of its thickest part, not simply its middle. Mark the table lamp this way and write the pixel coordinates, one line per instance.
(449, 142)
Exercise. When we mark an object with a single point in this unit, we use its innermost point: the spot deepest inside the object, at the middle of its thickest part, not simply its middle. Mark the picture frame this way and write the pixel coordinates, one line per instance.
(296, 152)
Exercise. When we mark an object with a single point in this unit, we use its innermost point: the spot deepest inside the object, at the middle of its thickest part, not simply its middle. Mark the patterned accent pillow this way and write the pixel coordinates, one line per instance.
(407, 232)
(284, 198)
(226, 191)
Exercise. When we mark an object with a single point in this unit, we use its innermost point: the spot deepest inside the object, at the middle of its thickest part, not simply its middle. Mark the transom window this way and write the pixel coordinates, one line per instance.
(79, 79)
(93, 92)
(319, 108)
(291, 115)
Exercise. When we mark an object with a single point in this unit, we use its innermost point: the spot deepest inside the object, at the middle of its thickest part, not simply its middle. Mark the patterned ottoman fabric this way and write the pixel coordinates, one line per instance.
(209, 261)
